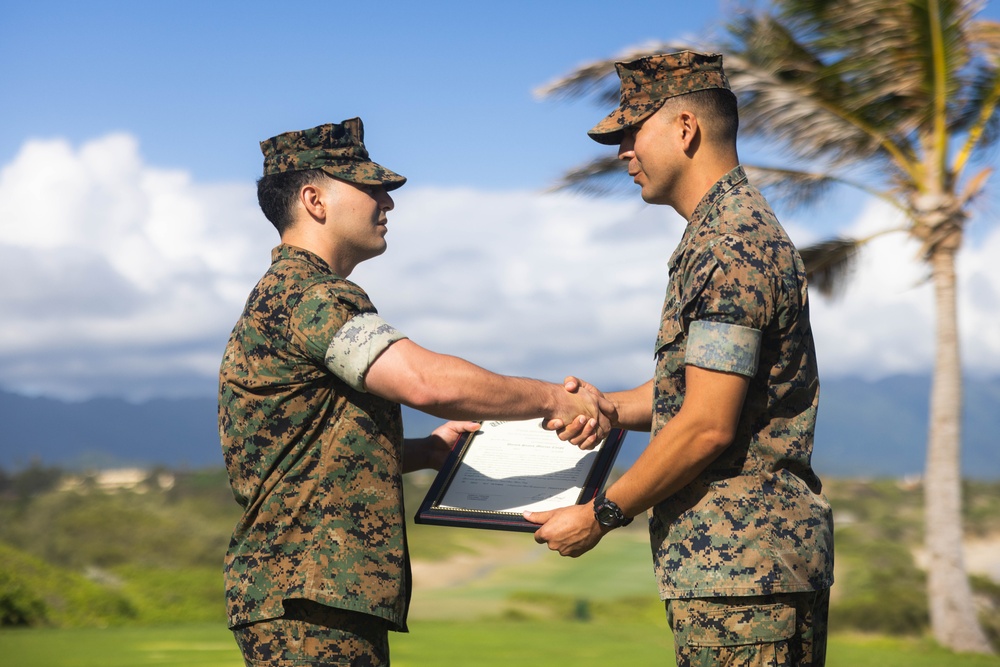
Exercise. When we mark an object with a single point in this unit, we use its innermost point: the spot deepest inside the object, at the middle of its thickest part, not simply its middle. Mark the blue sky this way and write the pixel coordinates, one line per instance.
(128, 221)
(445, 88)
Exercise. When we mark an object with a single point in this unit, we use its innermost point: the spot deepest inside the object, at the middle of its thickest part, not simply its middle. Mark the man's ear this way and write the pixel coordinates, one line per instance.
(687, 125)
(312, 199)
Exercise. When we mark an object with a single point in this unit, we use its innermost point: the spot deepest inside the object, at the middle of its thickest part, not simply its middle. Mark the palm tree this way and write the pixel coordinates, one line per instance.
(899, 100)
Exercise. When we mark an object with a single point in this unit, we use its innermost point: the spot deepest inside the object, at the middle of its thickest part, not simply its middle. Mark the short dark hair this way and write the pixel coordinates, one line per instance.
(276, 194)
(716, 108)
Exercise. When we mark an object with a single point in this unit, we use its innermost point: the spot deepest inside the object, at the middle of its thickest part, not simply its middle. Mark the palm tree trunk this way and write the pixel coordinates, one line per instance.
(954, 620)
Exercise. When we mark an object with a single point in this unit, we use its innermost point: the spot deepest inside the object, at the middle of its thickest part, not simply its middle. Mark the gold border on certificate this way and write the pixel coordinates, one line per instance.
(508, 467)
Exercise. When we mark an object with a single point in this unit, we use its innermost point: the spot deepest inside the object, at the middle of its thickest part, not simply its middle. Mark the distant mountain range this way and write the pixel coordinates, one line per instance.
(876, 428)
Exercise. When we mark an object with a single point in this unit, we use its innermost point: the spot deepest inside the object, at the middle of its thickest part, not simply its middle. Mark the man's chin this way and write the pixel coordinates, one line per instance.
(651, 197)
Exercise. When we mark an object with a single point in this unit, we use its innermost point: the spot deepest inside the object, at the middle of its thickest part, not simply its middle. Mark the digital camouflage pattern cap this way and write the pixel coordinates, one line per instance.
(336, 148)
(648, 81)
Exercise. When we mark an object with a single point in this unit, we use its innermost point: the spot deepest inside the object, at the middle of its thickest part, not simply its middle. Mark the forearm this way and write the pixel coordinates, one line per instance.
(432, 452)
(457, 389)
(700, 431)
(452, 388)
(671, 461)
(635, 407)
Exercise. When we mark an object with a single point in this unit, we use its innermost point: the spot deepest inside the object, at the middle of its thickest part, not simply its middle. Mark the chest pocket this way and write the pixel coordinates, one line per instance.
(670, 344)
(668, 385)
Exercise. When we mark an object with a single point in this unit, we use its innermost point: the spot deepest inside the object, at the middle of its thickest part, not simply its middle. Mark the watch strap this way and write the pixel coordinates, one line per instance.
(608, 514)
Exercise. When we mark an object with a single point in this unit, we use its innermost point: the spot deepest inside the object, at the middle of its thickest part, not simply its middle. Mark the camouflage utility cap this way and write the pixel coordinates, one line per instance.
(647, 82)
(336, 148)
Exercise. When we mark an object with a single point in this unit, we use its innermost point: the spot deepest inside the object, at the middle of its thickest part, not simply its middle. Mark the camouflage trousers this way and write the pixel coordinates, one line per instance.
(314, 635)
(783, 630)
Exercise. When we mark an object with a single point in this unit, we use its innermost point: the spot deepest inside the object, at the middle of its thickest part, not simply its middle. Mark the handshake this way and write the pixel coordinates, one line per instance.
(583, 415)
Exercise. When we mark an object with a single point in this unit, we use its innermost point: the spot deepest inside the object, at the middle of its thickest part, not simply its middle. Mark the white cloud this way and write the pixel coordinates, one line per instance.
(527, 283)
(120, 275)
(884, 322)
(124, 279)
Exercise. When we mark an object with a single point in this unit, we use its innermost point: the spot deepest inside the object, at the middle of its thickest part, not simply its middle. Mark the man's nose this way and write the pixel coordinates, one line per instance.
(626, 146)
(385, 202)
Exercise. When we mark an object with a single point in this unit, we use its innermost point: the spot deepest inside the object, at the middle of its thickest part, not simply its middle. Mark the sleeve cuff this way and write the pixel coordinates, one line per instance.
(357, 345)
(719, 346)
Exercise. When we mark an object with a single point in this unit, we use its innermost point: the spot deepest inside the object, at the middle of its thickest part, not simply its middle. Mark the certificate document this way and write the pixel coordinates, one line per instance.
(508, 467)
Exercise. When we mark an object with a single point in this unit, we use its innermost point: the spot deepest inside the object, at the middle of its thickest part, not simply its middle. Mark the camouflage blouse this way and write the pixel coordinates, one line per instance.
(755, 521)
(315, 464)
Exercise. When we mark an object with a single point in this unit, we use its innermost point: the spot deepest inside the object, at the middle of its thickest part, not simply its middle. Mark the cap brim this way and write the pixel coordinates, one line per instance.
(611, 130)
(371, 173)
(609, 136)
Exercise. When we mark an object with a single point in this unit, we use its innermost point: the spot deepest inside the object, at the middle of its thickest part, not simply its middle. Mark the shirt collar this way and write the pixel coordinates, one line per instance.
(722, 187)
(290, 252)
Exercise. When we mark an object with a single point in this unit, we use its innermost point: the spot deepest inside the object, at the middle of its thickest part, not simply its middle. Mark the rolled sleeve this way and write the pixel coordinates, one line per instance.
(357, 345)
(719, 346)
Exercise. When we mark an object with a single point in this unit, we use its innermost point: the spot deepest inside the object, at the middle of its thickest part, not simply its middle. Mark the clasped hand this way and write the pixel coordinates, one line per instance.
(595, 417)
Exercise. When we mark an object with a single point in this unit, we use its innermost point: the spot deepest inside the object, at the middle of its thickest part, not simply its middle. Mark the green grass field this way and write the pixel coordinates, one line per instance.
(103, 581)
(484, 643)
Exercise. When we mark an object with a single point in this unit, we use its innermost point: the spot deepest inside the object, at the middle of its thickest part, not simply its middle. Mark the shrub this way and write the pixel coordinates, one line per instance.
(37, 593)
(18, 605)
(987, 594)
(880, 588)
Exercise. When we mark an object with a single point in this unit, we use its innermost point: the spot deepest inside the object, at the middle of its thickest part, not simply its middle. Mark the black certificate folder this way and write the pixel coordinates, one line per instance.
(508, 467)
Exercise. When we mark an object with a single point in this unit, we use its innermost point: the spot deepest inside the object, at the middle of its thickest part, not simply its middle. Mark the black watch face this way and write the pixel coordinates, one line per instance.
(606, 516)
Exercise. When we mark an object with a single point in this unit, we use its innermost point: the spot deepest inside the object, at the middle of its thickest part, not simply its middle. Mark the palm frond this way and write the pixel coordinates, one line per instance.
(974, 187)
(796, 187)
(977, 117)
(879, 74)
(596, 80)
(984, 37)
(977, 97)
(884, 49)
(829, 264)
(789, 187)
(790, 94)
(601, 177)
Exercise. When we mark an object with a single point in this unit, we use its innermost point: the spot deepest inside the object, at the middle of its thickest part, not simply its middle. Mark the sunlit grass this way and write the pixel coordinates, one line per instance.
(166, 646)
(484, 643)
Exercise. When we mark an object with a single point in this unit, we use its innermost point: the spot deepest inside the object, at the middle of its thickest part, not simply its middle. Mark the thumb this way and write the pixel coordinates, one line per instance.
(537, 517)
(553, 424)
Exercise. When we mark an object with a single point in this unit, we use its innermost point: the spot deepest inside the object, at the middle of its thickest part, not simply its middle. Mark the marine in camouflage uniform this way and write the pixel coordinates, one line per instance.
(741, 534)
(311, 382)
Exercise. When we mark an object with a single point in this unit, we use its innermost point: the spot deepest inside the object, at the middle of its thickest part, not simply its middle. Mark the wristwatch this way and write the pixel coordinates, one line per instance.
(608, 514)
